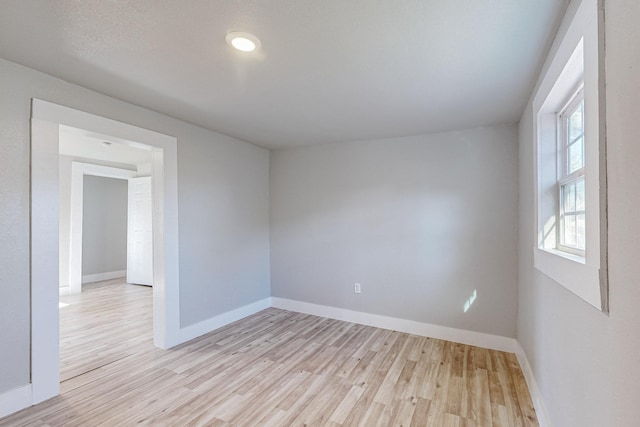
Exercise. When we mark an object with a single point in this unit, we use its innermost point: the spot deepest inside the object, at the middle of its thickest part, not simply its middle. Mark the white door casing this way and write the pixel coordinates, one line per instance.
(46, 119)
(140, 232)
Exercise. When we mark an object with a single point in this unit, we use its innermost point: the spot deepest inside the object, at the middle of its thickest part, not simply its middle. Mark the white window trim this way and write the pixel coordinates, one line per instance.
(564, 176)
(579, 49)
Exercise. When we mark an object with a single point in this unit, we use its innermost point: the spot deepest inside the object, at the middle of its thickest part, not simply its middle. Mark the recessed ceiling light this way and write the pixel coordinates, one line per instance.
(245, 42)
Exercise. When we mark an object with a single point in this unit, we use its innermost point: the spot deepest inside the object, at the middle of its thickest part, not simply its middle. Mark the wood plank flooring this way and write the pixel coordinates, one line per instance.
(275, 368)
(106, 322)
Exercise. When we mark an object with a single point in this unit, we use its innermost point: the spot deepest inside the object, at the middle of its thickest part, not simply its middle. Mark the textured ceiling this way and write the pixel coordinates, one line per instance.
(328, 70)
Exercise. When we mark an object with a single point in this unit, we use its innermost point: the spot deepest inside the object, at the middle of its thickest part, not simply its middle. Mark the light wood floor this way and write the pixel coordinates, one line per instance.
(108, 321)
(275, 368)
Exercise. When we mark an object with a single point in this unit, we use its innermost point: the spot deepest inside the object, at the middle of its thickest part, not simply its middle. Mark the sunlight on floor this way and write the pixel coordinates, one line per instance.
(62, 304)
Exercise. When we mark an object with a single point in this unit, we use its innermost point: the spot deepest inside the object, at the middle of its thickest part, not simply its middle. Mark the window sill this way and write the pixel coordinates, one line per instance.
(567, 255)
(572, 272)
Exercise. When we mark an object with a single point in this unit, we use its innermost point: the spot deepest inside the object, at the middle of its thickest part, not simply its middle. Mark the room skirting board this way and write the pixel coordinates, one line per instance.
(536, 397)
(478, 339)
(98, 277)
(14, 400)
(193, 331)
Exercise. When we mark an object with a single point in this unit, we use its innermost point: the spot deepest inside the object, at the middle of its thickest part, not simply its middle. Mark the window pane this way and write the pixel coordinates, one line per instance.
(571, 212)
(580, 231)
(576, 125)
(569, 197)
(576, 155)
(580, 195)
(570, 230)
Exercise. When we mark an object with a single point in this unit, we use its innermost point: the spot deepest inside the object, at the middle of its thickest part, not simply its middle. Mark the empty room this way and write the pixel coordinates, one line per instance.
(319, 213)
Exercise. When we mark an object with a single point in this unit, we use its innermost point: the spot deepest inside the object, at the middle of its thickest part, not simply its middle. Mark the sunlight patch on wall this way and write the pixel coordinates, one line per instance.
(470, 301)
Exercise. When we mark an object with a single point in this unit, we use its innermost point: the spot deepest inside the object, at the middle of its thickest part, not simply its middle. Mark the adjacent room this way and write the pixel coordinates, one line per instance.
(105, 251)
(326, 212)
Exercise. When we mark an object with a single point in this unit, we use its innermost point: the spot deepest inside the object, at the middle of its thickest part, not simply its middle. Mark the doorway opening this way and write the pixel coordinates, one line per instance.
(105, 244)
(123, 213)
(48, 121)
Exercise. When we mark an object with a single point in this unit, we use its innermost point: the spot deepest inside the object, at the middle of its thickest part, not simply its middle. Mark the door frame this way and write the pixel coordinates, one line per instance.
(78, 172)
(46, 119)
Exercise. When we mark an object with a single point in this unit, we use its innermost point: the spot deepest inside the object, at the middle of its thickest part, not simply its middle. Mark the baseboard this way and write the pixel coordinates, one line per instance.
(193, 331)
(478, 339)
(99, 277)
(534, 391)
(14, 400)
(64, 290)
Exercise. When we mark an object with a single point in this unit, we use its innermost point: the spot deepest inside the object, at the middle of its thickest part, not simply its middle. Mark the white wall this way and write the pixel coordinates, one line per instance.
(586, 363)
(420, 222)
(104, 225)
(212, 280)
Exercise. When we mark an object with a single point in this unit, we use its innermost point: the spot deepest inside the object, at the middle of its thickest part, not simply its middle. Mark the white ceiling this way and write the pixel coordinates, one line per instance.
(328, 70)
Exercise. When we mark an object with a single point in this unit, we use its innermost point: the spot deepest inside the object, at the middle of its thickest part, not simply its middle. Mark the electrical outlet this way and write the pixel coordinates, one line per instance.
(356, 288)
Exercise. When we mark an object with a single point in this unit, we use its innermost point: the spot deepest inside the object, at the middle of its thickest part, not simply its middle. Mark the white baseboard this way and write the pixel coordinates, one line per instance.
(479, 339)
(193, 331)
(64, 290)
(534, 391)
(99, 277)
(14, 400)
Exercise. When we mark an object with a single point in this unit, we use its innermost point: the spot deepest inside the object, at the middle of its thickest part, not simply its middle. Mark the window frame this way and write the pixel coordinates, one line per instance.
(577, 55)
(564, 176)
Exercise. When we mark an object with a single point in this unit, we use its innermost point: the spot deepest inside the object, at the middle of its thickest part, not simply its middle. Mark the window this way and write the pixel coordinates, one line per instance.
(569, 137)
(571, 212)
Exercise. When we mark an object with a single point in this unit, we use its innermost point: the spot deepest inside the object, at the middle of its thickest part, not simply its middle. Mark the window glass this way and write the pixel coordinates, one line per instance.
(580, 195)
(576, 155)
(572, 216)
(580, 231)
(569, 197)
(575, 138)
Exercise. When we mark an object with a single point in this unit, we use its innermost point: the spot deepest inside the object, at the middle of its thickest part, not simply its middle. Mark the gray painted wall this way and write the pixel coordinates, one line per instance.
(586, 362)
(419, 222)
(224, 231)
(104, 225)
(213, 278)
